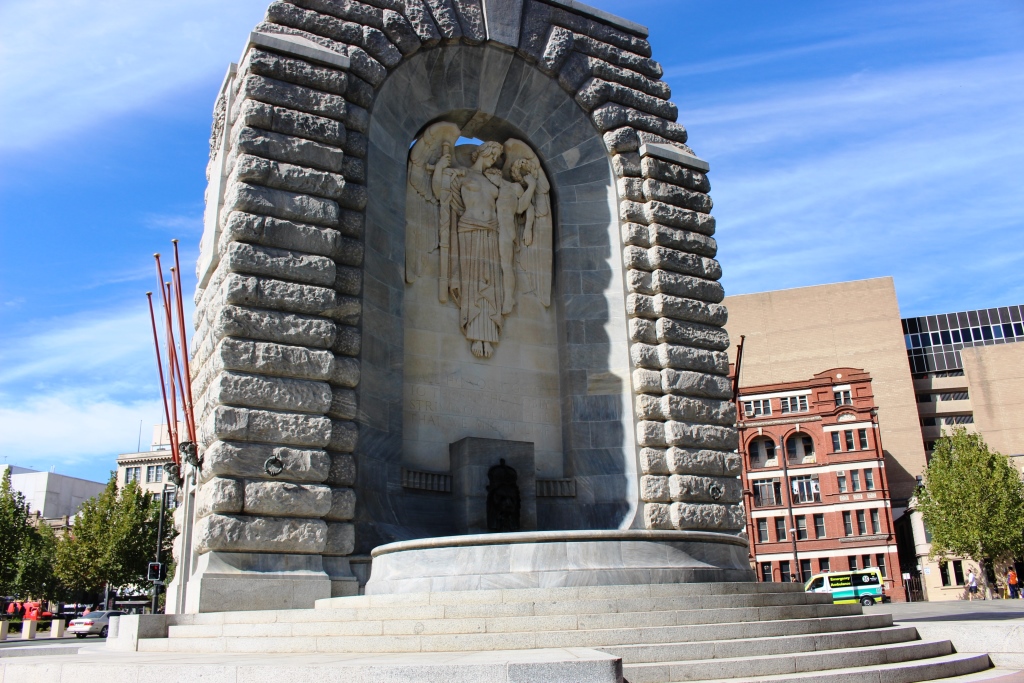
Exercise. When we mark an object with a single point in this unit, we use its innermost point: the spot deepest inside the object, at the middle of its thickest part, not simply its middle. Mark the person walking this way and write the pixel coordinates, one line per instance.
(972, 584)
(1011, 583)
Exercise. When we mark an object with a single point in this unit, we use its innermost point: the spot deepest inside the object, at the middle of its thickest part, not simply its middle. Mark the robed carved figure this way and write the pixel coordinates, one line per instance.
(485, 210)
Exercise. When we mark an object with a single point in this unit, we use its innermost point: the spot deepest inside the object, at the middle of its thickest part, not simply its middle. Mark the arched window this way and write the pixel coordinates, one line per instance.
(799, 447)
(762, 449)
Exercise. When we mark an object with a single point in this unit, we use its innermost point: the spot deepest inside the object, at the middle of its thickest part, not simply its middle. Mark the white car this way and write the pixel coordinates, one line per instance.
(93, 623)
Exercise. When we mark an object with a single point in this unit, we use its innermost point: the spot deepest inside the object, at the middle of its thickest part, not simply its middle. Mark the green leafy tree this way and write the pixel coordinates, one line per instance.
(111, 541)
(36, 561)
(14, 528)
(972, 502)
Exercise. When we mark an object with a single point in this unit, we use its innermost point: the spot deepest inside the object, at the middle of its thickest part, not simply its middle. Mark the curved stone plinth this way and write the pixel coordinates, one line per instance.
(549, 559)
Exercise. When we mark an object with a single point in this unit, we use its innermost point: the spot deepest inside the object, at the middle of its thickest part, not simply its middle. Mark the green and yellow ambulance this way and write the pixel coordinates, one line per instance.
(864, 586)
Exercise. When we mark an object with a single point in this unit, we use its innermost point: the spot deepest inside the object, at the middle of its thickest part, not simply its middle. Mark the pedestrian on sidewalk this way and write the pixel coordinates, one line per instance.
(972, 584)
(1011, 582)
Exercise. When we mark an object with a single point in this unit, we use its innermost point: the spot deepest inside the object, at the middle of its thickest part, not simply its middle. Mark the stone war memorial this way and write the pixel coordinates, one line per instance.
(460, 376)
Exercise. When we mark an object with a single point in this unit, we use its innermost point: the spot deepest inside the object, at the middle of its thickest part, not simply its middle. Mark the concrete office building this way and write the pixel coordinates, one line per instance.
(49, 495)
(815, 481)
(968, 370)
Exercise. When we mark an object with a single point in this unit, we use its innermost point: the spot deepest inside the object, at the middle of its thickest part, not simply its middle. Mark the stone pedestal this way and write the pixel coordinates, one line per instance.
(229, 582)
(471, 458)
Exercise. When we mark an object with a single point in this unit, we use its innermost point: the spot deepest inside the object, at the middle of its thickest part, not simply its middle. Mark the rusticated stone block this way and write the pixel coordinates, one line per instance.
(675, 195)
(283, 176)
(293, 70)
(260, 292)
(597, 91)
(654, 489)
(274, 232)
(267, 358)
(704, 410)
(280, 204)
(706, 517)
(341, 539)
(283, 94)
(683, 240)
(671, 433)
(348, 252)
(345, 372)
(260, 534)
(658, 516)
(288, 148)
(249, 460)
(679, 308)
(664, 282)
(274, 393)
(681, 382)
(343, 436)
(675, 174)
(422, 22)
(255, 114)
(342, 470)
(282, 264)
(401, 32)
(343, 505)
(610, 116)
(243, 424)
(679, 357)
(672, 260)
(219, 495)
(692, 334)
(687, 488)
(348, 341)
(652, 461)
(702, 461)
(273, 326)
(286, 499)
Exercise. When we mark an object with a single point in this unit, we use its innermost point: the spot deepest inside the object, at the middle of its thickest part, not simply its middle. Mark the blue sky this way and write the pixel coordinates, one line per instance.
(846, 140)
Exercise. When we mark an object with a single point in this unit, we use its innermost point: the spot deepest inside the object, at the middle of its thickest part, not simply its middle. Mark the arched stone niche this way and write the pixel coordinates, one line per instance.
(560, 376)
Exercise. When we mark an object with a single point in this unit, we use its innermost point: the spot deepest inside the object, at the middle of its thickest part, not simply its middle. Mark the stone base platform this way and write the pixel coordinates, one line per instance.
(552, 559)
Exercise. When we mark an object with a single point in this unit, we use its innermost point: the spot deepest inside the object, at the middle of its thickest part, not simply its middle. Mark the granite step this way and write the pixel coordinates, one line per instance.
(510, 595)
(315, 640)
(749, 647)
(936, 668)
(783, 664)
(515, 624)
(994, 675)
(521, 608)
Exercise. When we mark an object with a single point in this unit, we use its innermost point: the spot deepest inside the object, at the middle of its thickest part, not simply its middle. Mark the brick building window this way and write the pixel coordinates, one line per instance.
(762, 530)
(794, 404)
(862, 437)
(869, 480)
(805, 489)
(780, 528)
(824, 565)
(847, 524)
(843, 398)
(757, 407)
(801, 528)
(766, 572)
(799, 446)
(805, 570)
(837, 444)
(784, 574)
(841, 479)
(819, 526)
(867, 561)
(762, 449)
(767, 492)
(855, 479)
(862, 527)
(880, 561)
(853, 563)
(876, 523)
(848, 437)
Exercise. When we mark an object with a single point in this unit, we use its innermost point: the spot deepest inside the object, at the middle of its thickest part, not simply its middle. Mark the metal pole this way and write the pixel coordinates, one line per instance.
(184, 342)
(159, 362)
(159, 542)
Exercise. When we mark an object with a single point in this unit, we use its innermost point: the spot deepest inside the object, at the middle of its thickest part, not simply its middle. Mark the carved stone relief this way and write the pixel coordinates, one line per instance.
(484, 211)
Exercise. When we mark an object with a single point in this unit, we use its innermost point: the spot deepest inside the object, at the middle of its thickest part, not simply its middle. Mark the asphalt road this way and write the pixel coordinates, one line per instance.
(14, 640)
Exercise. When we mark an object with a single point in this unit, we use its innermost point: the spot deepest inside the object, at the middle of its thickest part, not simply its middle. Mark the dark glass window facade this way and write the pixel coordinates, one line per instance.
(934, 342)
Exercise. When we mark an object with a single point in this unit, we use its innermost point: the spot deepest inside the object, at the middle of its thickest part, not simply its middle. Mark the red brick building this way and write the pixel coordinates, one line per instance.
(815, 487)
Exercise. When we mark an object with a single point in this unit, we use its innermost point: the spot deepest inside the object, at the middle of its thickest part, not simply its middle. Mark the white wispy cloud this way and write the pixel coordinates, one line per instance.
(66, 64)
(911, 172)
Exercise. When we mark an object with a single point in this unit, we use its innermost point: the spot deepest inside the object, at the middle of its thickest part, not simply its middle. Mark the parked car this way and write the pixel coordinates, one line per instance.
(93, 623)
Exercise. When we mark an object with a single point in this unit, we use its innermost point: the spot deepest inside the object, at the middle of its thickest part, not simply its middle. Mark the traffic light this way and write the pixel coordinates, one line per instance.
(155, 572)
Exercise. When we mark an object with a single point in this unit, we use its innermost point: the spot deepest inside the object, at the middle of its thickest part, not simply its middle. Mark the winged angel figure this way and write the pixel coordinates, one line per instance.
(490, 225)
